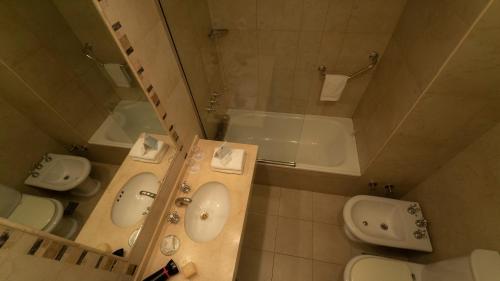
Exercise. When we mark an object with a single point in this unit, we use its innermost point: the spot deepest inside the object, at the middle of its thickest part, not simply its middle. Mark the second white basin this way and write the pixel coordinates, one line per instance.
(208, 212)
(133, 201)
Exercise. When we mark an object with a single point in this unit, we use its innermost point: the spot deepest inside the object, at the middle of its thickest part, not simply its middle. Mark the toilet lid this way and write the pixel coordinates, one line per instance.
(33, 211)
(380, 269)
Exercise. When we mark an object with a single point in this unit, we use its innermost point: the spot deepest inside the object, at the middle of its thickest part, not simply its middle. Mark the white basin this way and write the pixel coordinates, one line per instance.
(61, 173)
(208, 212)
(130, 205)
(383, 221)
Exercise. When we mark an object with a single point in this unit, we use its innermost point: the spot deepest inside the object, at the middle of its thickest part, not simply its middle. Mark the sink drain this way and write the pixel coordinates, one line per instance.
(66, 177)
(365, 223)
(204, 216)
(384, 226)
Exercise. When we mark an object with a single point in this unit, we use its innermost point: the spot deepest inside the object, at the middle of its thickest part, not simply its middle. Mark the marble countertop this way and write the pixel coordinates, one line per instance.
(217, 259)
(99, 230)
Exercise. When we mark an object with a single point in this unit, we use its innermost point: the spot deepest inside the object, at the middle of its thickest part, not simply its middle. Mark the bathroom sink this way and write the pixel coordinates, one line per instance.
(60, 172)
(208, 212)
(133, 201)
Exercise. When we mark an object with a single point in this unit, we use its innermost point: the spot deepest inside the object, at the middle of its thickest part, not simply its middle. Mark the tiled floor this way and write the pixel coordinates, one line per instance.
(295, 235)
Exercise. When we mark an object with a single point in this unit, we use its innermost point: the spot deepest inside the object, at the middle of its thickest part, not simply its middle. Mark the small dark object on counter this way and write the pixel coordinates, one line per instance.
(119, 252)
(164, 273)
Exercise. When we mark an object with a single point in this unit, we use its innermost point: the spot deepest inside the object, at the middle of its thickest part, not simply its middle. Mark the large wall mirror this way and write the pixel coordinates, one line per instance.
(69, 113)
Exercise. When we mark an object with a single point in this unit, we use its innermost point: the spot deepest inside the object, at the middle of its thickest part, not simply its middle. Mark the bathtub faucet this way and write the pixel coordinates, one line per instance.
(182, 201)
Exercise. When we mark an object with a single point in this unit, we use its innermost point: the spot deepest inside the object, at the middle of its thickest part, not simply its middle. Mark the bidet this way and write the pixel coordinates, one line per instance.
(386, 222)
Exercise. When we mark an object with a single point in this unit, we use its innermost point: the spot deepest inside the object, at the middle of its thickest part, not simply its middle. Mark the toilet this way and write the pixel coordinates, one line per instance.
(480, 265)
(40, 213)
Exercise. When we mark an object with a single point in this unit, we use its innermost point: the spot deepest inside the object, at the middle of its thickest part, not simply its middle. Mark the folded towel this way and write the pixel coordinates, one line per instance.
(139, 152)
(234, 166)
(333, 86)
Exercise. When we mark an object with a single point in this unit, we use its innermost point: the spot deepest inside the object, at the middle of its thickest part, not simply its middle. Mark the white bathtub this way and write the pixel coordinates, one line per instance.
(123, 126)
(317, 143)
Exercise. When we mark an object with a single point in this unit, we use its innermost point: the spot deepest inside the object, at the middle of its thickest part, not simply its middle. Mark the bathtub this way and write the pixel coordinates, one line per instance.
(317, 143)
(124, 125)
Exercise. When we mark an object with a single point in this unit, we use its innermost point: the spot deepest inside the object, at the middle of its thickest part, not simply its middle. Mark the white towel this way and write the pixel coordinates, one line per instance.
(139, 153)
(234, 166)
(118, 74)
(332, 87)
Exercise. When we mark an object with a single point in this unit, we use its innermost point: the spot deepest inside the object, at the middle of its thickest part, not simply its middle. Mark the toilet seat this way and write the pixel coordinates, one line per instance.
(373, 268)
(38, 212)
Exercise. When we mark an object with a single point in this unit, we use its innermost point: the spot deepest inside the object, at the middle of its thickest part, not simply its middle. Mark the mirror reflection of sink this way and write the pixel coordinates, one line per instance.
(207, 214)
(133, 201)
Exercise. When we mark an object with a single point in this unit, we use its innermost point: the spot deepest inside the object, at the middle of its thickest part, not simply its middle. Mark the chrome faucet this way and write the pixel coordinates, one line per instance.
(185, 188)
(182, 201)
(420, 234)
(413, 209)
(421, 223)
(147, 193)
(173, 217)
(46, 157)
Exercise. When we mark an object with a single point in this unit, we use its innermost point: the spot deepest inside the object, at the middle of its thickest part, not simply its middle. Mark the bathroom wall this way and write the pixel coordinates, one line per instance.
(273, 49)
(462, 200)
(46, 77)
(425, 36)
(189, 25)
(22, 143)
(460, 104)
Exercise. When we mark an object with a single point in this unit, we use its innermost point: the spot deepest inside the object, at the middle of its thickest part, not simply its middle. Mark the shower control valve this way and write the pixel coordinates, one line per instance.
(420, 234)
(173, 217)
(413, 209)
(422, 223)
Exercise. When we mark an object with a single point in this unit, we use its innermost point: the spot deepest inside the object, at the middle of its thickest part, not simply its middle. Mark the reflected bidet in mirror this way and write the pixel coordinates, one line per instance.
(207, 214)
(133, 201)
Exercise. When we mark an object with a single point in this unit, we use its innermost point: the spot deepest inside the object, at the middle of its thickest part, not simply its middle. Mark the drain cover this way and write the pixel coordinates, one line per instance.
(384, 226)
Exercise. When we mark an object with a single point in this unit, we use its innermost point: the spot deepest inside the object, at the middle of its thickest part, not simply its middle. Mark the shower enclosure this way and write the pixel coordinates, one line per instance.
(252, 70)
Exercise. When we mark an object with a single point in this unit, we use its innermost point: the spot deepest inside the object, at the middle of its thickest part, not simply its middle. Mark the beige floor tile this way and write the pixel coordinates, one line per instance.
(260, 232)
(255, 265)
(294, 237)
(288, 268)
(330, 244)
(323, 271)
(327, 208)
(265, 199)
(296, 204)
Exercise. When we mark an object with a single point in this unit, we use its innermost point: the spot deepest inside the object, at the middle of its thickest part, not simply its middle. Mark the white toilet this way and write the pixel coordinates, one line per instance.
(37, 212)
(480, 265)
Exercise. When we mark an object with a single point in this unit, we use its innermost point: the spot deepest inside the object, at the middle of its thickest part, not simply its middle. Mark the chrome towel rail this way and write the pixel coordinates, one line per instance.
(277, 162)
(373, 57)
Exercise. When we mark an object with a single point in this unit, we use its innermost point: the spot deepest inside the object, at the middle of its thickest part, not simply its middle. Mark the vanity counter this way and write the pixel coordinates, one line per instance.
(215, 260)
(99, 229)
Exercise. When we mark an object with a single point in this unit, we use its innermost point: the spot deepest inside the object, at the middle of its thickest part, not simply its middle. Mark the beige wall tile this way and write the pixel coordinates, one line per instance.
(375, 16)
(242, 15)
(294, 237)
(467, 183)
(279, 14)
